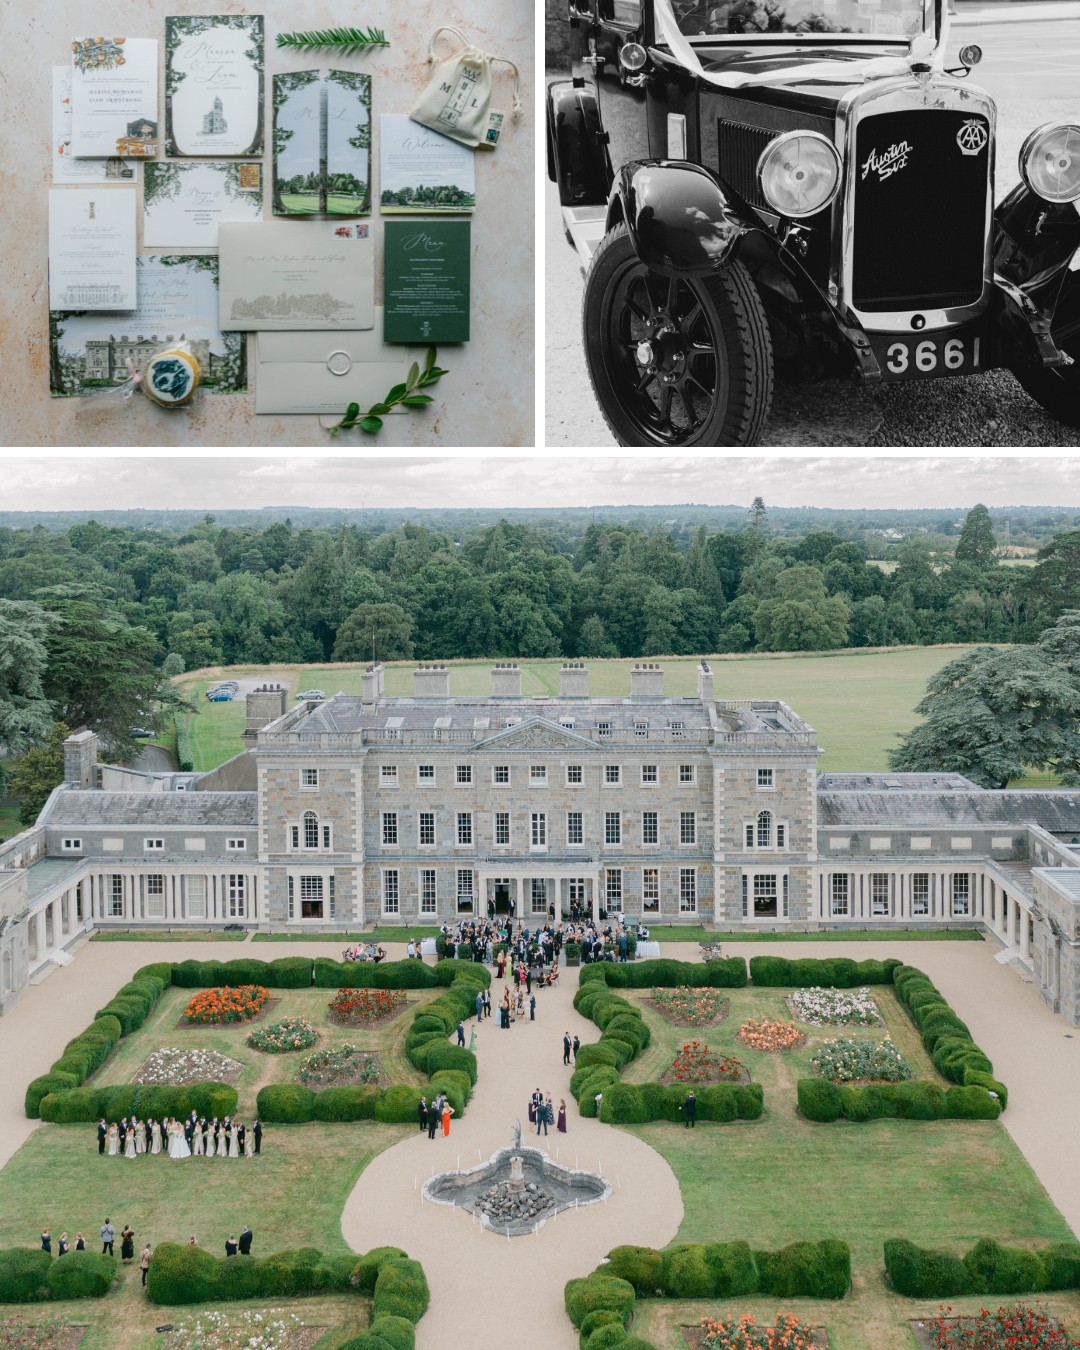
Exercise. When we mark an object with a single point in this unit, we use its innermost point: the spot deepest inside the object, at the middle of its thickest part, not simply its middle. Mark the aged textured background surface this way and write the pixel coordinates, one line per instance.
(486, 400)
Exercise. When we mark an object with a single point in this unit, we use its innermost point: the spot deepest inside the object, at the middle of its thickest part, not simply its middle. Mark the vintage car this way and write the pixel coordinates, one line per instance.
(801, 187)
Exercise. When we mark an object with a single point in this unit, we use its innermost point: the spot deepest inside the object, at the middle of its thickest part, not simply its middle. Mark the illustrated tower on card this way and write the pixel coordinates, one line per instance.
(213, 123)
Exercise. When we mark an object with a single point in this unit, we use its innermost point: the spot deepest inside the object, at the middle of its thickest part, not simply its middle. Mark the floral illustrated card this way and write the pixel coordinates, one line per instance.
(65, 167)
(114, 104)
(177, 298)
(184, 203)
(214, 84)
(322, 143)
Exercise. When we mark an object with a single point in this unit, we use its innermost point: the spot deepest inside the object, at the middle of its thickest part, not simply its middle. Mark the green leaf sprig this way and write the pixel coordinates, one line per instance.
(406, 394)
(349, 41)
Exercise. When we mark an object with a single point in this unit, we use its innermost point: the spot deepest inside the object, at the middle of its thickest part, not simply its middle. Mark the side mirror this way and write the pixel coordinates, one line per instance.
(627, 13)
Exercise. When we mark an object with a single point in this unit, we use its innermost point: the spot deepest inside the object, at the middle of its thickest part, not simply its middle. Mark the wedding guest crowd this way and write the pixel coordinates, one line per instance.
(194, 1137)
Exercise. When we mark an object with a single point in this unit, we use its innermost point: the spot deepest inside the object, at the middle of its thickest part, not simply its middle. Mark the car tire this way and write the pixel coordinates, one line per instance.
(675, 361)
(1058, 388)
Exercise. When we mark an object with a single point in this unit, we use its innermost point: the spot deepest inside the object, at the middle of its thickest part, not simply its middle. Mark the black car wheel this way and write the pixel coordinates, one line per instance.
(1058, 389)
(675, 360)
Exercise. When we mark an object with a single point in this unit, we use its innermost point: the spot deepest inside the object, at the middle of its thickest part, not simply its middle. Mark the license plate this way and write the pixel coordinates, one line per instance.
(927, 356)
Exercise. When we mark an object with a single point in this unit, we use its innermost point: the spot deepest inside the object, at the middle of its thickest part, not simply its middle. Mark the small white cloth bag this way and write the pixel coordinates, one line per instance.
(457, 101)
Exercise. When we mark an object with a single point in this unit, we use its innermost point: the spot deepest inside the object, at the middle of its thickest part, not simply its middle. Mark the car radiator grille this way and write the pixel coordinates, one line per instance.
(740, 149)
(919, 226)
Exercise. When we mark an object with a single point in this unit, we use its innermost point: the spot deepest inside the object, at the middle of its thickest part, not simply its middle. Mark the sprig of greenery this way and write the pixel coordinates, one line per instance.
(405, 394)
(350, 41)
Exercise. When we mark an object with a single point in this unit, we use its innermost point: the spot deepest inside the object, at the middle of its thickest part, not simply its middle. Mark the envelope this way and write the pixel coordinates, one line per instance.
(316, 372)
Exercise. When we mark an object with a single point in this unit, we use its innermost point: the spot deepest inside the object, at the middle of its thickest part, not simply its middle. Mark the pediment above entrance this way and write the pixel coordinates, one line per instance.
(537, 733)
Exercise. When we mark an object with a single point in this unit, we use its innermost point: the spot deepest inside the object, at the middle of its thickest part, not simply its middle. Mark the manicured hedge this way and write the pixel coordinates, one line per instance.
(663, 973)
(988, 1268)
(33, 1276)
(947, 1040)
(639, 1103)
(777, 972)
(180, 1273)
(823, 1101)
(141, 1099)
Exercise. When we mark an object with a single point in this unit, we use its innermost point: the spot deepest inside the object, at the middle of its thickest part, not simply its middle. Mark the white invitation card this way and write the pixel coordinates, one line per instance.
(183, 204)
(421, 171)
(91, 248)
(213, 84)
(114, 97)
(65, 167)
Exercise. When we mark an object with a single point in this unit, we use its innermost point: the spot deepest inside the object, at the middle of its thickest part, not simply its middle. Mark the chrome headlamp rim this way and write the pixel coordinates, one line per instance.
(632, 56)
(782, 140)
(1030, 141)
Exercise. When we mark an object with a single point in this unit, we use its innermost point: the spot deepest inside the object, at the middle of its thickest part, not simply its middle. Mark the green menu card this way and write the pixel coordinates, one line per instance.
(427, 281)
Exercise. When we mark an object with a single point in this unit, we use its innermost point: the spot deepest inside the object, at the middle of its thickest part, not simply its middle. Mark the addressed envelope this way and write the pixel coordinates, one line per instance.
(323, 372)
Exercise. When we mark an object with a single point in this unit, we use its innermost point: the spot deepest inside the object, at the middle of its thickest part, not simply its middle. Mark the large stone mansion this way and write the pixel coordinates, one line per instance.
(377, 809)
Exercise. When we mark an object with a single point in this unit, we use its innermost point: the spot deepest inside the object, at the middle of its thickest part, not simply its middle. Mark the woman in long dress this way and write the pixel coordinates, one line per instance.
(155, 1137)
(197, 1142)
(562, 1116)
(447, 1112)
(114, 1140)
(249, 1143)
(212, 1138)
(129, 1144)
(178, 1145)
(234, 1145)
(140, 1137)
(223, 1142)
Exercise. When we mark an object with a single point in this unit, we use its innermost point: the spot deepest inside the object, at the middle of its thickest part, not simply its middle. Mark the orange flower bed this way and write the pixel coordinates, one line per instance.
(227, 1004)
(770, 1033)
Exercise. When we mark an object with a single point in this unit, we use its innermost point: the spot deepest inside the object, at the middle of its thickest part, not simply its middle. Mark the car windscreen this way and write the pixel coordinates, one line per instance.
(877, 18)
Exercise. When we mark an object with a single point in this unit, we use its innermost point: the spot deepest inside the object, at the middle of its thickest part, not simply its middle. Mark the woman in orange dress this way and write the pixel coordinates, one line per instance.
(447, 1112)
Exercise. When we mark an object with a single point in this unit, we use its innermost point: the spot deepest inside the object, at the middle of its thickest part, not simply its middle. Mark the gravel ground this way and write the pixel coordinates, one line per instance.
(982, 410)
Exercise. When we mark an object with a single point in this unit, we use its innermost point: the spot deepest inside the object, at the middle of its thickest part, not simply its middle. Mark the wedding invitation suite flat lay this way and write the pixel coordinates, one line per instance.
(114, 105)
(183, 204)
(65, 167)
(426, 285)
(322, 143)
(291, 274)
(213, 84)
(176, 294)
(421, 171)
(92, 248)
(322, 372)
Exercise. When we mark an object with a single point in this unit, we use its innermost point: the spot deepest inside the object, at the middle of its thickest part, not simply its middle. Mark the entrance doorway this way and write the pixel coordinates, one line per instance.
(501, 892)
(311, 909)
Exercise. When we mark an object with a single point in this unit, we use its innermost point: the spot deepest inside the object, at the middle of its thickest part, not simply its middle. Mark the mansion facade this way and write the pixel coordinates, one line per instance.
(377, 809)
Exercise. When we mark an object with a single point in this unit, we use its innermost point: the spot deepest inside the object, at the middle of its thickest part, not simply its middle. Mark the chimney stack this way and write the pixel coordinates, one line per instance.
(573, 680)
(705, 682)
(505, 680)
(647, 681)
(80, 759)
(431, 682)
(263, 706)
(371, 683)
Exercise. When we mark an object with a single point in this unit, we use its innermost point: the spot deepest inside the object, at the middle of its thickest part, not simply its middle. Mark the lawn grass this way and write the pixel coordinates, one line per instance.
(148, 935)
(291, 1196)
(216, 730)
(160, 1029)
(390, 934)
(938, 1183)
(673, 933)
(10, 825)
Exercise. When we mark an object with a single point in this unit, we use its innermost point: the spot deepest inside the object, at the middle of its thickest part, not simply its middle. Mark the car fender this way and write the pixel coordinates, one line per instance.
(678, 216)
(1034, 243)
(578, 159)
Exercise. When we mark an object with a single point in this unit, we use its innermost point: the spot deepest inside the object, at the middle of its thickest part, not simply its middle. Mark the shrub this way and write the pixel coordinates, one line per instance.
(396, 1332)
(734, 1270)
(366, 1270)
(157, 970)
(596, 1054)
(24, 1275)
(453, 1081)
(288, 972)
(444, 1056)
(622, 1050)
(39, 1088)
(806, 1270)
(397, 1105)
(917, 1272)
(1061, 1264)
(1004, 1270)
(208, 1099)
(643, 1267)
(373, 975)
(597, 1291)
(184, 1274)
(611, 1334)
(181, 1274)
(82, 1275)
(345, 1103)
(602, 1317)
(818, 1099)
(592, 1078)
(401, 1290)
(687, 1273)
(829, 973)
(285, 1104)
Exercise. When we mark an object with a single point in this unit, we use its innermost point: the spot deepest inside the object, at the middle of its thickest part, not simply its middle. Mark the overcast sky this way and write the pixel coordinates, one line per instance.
(94, 483)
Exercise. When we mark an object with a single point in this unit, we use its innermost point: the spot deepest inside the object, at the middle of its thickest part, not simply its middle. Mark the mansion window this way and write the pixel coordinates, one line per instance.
(425, 773)
(153, 845)
(538, 775)
(309, 778)
(920, 893)
(575, 890)
(309, 833)
(428, 902)
(678, 731)
(641, 730)
(574, 830)
(762, 832)
(116, 896)
(648, 773)
(763, 836)
(687, 890)
(650, 890)
(573, 774)
(650, 829)
(838, 890)
(236, 890)
(465, 889)
(879, 894)
(686, 771)
(391, 891)
(765, 895)
(72, 845)
(389, 829)
(603, 728)
(236, 845)
(502, 828)
(500, 774)
(612, 827)
(388, 775)
(961, 893)
(613, 890)
(155, 896)
(464, 829)
(687, 827)
(538, 830)
(463, 774)
(764, 779)
(538, 901)
(195, 894)
(425, 835)
(611, 775)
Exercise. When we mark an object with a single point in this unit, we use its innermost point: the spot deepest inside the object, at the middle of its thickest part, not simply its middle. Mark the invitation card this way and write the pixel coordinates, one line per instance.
(421, 171)
(322, 143)
(214, 84)
(177, 300)
(296, 274)
(184, 203)
(114, 97)
(91, 248)
(426, 285)
(65, 167)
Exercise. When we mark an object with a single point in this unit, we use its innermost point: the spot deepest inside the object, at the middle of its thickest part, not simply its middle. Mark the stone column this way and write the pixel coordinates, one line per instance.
(1025, 931)
(39, 935)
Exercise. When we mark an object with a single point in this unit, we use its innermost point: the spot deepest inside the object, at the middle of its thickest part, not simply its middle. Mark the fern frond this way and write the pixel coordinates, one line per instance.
(349, 41)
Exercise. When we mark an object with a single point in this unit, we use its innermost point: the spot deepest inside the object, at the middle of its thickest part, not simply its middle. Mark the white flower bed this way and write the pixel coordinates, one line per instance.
(178, 1068)
(834, 1007)
(850, 1061)
(268, 1330)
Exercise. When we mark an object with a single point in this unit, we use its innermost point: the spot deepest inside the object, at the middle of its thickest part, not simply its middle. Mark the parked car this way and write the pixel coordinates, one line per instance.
(141, 733)
(220, 695)
(800, 186)
(311, 695)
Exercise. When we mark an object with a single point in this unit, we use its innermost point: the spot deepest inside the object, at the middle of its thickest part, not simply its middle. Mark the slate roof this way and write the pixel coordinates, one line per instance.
(161, 809)
(1056, 811)
(347, 713)
(893, 782)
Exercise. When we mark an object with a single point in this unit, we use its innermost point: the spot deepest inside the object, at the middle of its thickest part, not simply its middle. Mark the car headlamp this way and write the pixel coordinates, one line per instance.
(1050, 162)
(799, 173)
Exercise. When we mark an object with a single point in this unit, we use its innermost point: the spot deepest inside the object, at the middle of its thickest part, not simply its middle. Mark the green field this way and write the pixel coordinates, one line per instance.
(10, 825)
(300, 201)
(344, 204)
(857, 701)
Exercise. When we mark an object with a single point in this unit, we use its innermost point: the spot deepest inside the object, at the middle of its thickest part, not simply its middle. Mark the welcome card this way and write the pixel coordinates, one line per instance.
(421, 171)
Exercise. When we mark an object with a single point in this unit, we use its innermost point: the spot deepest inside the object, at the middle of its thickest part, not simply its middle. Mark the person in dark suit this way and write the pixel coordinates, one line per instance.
(189, 1130)
(576, 1047)
(230, 1245)
(102, 1132)
(245, 1241)
(123, 1128)
(422, 1112)
(433, 1118)
(689, 1110)
(241, 1135)
(566, 1044)
(46, 1241)
(256, 1130)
